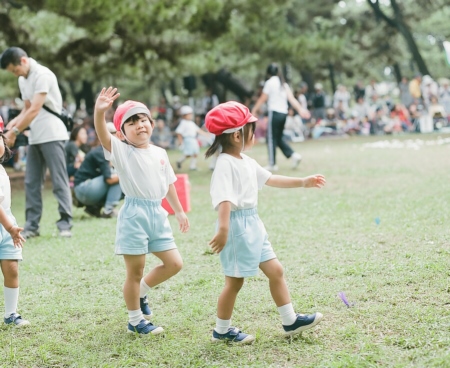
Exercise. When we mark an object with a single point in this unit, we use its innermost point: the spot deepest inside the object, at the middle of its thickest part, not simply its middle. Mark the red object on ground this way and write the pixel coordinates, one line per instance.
(183, 188)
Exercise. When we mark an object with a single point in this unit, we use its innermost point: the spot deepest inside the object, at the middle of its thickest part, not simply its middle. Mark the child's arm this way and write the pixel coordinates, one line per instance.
(220, 239)
(104, 101)
(296, 105)
(313, 181)
(180, 139)
(172, 198)
(17, 238)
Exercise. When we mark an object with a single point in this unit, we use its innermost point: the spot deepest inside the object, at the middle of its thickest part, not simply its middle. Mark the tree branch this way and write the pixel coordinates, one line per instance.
(379, 13)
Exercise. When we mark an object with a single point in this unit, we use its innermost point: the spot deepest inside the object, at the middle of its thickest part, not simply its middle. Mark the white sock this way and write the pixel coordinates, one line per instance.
(143, 288)
(193, 162)
(134, 317)
(11, 300)
(287, 314)
(222, 325)
(181, 160)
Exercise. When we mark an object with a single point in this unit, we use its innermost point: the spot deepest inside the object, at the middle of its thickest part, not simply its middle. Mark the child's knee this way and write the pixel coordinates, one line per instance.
(10, 270)
(175, 265)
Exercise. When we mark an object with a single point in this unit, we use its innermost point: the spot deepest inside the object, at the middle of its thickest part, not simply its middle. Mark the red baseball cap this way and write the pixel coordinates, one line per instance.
(228, 117)
(127, 110)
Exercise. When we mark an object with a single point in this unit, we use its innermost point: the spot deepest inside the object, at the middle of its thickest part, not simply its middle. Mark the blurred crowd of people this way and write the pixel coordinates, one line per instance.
(417, 105)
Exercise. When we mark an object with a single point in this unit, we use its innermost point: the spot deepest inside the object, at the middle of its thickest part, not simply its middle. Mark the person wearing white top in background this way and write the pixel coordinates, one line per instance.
(277, 94)
(187, 132)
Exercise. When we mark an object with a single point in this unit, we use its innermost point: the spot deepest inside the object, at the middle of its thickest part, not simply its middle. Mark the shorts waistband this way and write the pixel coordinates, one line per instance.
(244, 212)
(143, 201)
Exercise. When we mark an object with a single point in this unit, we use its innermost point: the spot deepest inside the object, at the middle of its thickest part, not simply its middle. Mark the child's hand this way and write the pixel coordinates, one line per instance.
(17, 237)
(106, 98)
(183, 221)
(218, 242)
(314, 181)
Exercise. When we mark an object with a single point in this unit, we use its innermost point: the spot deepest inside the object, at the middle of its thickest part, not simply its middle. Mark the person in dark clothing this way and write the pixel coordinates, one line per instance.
(97, 185)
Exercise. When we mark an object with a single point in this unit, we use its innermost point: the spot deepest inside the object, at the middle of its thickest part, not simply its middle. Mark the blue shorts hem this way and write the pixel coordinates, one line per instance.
(145, 250)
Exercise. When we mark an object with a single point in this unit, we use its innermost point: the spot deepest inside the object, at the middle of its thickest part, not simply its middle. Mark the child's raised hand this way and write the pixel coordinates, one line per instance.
(218, 242)
(106, 98)
(183, 221)
(314, 181)
(17, 237)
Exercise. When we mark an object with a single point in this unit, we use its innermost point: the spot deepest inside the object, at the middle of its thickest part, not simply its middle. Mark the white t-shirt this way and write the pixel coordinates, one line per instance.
(237, 181)
(277, 96)
(187, 129)
(45, 127)
(143, 173)
(5, 189)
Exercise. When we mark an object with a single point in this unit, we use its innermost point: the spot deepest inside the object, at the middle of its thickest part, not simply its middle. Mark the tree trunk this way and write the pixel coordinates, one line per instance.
(397, 72)
(332, 79)
(412, 46)
(398, 23)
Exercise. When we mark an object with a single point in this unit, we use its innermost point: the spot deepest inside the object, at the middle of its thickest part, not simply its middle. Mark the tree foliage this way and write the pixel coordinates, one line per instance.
(152, 41)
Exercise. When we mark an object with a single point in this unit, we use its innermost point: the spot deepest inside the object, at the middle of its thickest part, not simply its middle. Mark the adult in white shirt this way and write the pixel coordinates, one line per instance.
(39, 86)
(276, 93)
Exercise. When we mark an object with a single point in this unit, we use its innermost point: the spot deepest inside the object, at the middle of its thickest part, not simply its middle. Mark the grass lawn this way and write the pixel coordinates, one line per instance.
(378, 231)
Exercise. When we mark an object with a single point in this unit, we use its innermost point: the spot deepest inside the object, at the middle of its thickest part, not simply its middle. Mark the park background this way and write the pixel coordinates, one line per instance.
(378, 231)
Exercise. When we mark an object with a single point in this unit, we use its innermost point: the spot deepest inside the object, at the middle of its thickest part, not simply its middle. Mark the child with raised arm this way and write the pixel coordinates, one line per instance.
(241, 239)
(146, 177)
(11, 242)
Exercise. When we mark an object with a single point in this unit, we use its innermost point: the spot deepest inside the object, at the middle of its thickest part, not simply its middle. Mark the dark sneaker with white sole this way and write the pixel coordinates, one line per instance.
(146, 311)
(233, 335)
(144, 328)
(27, 234)
(303, 322)
(16, 320)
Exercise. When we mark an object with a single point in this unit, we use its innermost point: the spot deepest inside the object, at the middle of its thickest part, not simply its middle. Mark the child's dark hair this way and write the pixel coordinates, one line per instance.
(224, 140)
(7, 154)
(136, 117)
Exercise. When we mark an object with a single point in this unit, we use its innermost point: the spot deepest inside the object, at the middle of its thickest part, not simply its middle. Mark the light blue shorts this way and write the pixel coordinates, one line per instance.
(143, 227)
(7, 249)
(190, 146)
(247, 245)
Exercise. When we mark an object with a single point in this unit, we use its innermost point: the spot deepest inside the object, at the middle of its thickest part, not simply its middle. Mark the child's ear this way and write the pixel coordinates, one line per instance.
(119, 135)
(237, 136)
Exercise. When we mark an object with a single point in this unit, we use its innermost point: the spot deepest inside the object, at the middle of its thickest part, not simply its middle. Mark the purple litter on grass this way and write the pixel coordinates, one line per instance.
(344, 298)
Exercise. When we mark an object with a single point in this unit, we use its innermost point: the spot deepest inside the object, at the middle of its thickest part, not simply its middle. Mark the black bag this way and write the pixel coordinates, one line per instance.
(65, 117)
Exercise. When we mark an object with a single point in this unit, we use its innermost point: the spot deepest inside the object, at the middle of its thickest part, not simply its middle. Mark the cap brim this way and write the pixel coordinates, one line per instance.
(134, 111)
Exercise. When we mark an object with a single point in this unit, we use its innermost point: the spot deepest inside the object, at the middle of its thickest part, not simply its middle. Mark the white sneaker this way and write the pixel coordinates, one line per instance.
(296, 159)
(271, 168)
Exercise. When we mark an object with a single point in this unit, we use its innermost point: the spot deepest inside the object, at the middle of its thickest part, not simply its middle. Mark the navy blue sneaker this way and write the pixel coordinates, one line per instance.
(146, 311)
(303, 322)
(145, 328)
(233, 335)
(16, 320)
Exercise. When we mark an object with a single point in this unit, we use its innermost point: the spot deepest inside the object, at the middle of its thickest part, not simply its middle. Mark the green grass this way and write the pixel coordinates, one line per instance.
(396, 273)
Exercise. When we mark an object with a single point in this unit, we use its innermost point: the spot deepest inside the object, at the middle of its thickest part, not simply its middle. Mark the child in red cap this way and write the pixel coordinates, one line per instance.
(146, 177)
(10, 244)
(241, 239)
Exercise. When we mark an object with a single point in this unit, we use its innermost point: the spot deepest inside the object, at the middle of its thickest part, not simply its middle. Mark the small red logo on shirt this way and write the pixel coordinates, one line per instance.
(162, 162)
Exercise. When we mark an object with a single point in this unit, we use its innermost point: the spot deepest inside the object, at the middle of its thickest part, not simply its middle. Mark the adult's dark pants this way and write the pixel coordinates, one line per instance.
(275, 139)
(49, 155)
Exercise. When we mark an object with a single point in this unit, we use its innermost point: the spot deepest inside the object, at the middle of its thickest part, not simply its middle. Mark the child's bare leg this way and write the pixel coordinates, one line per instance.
(278, 287)
(193, 165)
(225, 307)
(292, 323)
(135, 269)
(172, 264)
(10, 270)
(228, 296)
